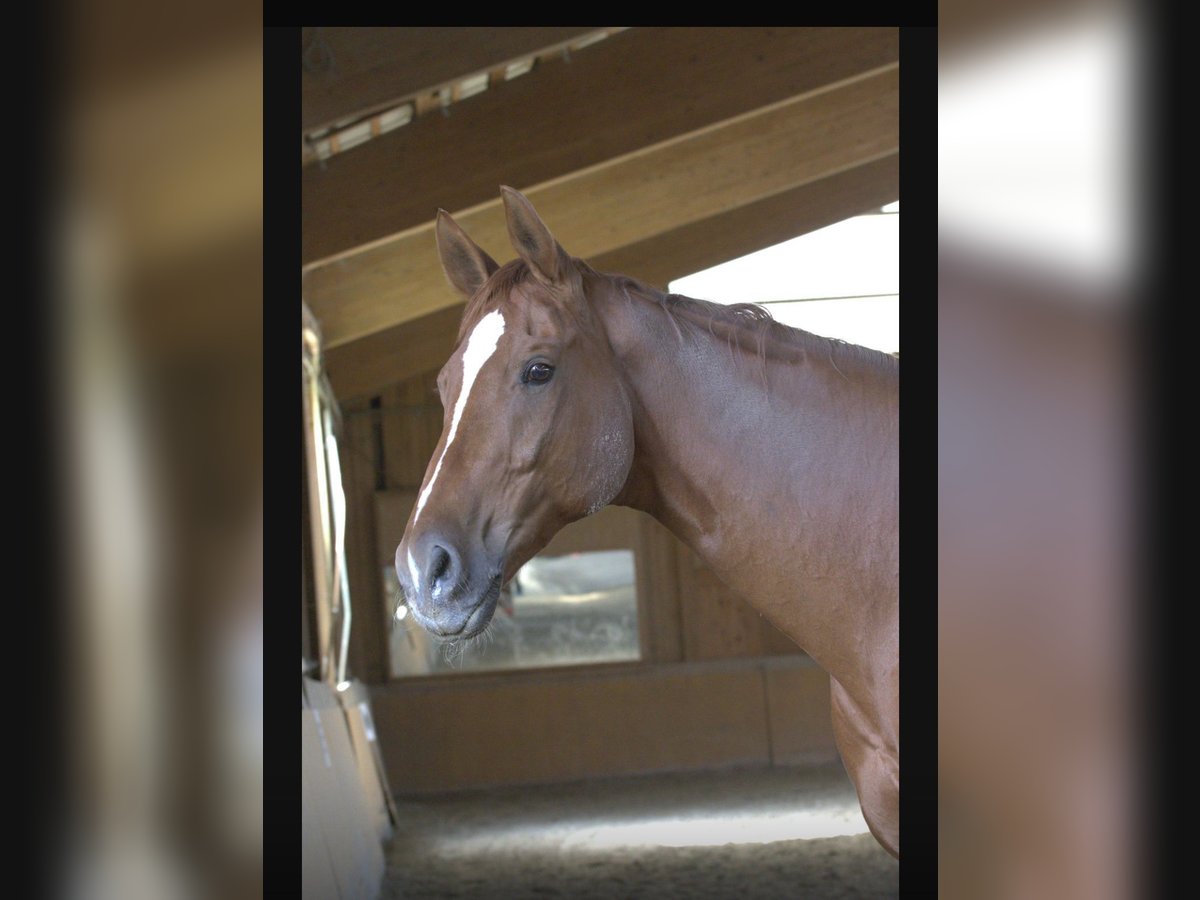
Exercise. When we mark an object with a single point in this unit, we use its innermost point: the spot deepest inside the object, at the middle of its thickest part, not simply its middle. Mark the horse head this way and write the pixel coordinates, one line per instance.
(537, 429)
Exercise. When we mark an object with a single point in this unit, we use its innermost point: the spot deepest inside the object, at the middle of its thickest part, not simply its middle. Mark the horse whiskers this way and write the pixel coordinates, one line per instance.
(448, 648)
(454, 649)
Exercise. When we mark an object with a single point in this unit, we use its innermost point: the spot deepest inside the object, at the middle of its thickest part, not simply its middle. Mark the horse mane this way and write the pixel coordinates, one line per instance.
(750, 326)
(747, 325)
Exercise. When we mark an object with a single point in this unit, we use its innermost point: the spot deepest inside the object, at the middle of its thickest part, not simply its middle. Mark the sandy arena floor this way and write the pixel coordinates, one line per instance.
(761, 833)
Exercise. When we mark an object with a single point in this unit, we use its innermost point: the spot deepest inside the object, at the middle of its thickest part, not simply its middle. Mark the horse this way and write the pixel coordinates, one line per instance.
(772, 452)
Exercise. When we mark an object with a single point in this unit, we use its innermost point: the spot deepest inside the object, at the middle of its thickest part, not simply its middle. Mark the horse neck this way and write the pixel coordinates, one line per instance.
(778, 468)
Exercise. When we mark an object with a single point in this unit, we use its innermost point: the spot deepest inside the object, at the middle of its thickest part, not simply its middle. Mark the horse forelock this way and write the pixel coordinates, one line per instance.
(508, 289)
(497, 289)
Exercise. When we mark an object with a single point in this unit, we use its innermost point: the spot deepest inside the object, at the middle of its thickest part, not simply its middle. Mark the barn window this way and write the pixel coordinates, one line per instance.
(842, 281)
(568, 609)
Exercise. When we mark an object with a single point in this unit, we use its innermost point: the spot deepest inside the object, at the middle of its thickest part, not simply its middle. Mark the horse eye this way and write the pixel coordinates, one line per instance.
(539, 373)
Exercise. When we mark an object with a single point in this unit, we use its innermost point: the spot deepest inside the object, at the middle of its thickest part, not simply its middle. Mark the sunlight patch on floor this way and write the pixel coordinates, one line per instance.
(595, 834)
(715, 831)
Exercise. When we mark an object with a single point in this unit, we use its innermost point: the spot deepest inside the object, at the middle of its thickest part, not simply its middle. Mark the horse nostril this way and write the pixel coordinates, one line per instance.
(442, 572)
(438, 564)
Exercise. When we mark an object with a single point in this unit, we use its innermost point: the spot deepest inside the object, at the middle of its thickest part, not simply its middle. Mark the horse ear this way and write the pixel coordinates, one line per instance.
(532, 239)
(466, 265)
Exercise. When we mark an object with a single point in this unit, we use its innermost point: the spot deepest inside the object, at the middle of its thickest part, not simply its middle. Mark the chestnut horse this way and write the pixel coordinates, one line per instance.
(773, 453)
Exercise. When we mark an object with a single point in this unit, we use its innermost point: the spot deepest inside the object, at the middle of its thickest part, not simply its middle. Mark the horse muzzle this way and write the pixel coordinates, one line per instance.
(447, 595)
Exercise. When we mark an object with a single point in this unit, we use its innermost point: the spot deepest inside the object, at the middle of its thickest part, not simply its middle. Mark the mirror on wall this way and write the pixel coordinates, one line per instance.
(570, 609)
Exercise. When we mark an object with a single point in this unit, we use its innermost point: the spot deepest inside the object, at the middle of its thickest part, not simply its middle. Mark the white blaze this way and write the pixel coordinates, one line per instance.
(480, 347)
(412, 568)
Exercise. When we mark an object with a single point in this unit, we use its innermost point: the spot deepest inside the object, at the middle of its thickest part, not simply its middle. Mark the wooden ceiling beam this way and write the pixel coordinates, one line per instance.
(625, 201)
(636, 88)
(692, 248)
(365, 367)
(348, 72)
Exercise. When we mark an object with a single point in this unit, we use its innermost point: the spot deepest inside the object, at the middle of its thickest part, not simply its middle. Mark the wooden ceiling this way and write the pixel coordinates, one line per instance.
(655, 152)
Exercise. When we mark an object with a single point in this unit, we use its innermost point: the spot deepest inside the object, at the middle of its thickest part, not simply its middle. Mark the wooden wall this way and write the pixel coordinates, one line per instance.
(564, 724)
